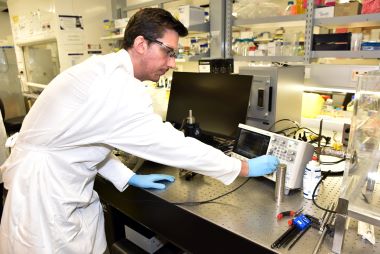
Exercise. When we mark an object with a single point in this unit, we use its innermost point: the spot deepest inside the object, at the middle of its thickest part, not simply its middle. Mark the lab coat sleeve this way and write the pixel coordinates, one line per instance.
(116, 172)
(142, 133)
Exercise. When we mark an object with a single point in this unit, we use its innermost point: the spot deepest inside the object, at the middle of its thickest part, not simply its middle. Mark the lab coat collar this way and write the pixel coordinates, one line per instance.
(125, 60)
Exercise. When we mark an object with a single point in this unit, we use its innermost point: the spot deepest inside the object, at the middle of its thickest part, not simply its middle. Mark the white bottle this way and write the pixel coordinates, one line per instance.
(311, 177)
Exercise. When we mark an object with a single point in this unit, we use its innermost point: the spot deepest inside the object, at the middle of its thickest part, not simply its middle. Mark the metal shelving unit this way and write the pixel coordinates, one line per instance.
(308, 20)
(239, 24)
(346, 54)
(303, 20)
(270, 58)
(363, 20)
(146, 4)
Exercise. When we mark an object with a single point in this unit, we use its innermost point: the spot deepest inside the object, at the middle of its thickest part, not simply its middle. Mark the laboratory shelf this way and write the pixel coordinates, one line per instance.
(192, 58)
(364, 20)
(194, 29)
(347, 54)
(283, 21)
(131, 7)
(113, 37)
(270, 58)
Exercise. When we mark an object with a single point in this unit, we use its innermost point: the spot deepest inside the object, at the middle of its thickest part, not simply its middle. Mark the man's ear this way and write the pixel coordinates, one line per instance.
(140, 44)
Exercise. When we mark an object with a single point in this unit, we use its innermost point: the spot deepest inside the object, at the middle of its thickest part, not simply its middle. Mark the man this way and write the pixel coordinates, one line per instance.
(69, 133)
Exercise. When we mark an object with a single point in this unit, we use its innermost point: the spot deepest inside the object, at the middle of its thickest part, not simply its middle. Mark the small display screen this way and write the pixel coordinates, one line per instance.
(251, 144)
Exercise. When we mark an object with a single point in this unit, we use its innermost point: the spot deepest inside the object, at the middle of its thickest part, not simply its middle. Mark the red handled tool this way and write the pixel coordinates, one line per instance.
(290, 213)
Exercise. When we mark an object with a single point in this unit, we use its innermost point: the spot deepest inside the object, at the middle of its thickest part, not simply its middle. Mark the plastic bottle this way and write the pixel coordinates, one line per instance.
(350, 105)
(300, 9)
(288, 9)
(194, 48)
(311, 177)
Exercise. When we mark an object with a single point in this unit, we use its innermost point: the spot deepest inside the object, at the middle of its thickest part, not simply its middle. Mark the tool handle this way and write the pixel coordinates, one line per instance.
(281, 238)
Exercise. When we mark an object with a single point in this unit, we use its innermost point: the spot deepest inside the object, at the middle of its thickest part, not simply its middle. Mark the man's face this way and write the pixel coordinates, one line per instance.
(160, 56)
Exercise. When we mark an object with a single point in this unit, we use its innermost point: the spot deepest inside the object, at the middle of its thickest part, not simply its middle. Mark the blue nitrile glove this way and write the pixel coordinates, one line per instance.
(149, 181)
(262, 165)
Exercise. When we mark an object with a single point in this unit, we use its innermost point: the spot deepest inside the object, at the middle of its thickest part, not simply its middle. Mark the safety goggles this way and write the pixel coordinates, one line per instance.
(169, 50)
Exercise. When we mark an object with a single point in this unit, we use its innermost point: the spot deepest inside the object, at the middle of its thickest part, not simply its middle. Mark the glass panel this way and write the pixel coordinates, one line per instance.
(361, 179)
(41, 61)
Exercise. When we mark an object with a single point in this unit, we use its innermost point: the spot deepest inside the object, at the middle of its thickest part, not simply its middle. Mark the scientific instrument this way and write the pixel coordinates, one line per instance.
(253, 142)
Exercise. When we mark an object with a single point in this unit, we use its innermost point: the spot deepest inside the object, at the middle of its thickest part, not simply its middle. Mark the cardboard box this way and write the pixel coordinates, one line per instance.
(325, 12)
(191, 15)
(348, 9)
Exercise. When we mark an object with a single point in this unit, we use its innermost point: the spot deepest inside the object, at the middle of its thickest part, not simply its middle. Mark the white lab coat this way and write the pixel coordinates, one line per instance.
(67, 138)
(3, 150)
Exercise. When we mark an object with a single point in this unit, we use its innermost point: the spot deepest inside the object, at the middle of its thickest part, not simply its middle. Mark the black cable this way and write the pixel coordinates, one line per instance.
(315, 189)
(182, 124)
(333, 174)
(286, 129)
(281, 120)
(212, 199)
(332, 162)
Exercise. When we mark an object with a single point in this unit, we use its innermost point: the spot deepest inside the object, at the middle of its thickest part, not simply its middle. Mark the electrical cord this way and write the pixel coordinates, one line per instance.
(182, 124)
(333, 162)
(315, 189)
(193, 203)
(281, 120)
(286, 129)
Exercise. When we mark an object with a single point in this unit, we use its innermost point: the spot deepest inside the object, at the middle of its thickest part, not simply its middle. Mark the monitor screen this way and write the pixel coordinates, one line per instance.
(219, 102)
(251, 144)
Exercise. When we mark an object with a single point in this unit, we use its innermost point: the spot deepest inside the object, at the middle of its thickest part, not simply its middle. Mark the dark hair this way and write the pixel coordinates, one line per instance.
(151, 23)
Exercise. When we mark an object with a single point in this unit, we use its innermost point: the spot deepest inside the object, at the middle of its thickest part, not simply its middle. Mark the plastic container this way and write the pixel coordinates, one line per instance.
(311, 105)
(300, 9)
(311, 177)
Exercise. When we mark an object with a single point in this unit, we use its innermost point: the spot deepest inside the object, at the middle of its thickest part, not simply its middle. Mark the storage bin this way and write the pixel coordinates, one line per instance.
(311, 105)
(332, 41)
(325, 12)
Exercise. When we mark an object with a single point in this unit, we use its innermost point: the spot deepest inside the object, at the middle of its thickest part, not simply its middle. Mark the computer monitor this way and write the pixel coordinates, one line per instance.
(219, 102)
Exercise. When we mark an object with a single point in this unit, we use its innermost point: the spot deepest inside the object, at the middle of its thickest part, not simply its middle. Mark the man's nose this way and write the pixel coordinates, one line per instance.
(171, 63)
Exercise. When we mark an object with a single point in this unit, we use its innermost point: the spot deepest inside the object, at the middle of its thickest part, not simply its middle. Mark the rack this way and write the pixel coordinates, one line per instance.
(309, 22)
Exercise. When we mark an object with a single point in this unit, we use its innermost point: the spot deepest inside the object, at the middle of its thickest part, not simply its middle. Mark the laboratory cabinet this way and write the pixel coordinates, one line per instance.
(51, 36)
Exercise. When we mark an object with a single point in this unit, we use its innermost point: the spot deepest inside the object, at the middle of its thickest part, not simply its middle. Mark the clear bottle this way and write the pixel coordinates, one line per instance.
(204, 48)
(194, 47)
(350, 105)
(311, 177)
